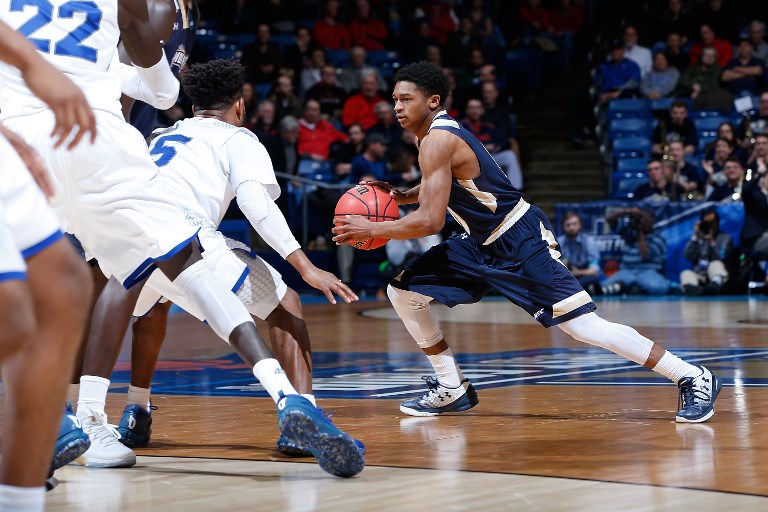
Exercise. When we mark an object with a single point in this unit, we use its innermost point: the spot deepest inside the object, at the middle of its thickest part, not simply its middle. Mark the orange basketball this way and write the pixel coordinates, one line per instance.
(373, 203)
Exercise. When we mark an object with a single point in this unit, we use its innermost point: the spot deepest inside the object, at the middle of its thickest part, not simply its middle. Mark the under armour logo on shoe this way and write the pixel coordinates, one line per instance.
(131, 422)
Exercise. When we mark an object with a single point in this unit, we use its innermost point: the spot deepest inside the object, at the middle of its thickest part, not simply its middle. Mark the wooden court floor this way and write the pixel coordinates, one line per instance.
(560, 425)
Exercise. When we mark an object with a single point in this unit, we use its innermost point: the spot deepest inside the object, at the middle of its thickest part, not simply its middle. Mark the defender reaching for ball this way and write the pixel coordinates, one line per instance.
(508, 246)
(210, 160)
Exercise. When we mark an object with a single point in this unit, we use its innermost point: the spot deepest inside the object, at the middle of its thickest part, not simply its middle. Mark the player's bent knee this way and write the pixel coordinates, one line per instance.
(17, 318)
(291, 302)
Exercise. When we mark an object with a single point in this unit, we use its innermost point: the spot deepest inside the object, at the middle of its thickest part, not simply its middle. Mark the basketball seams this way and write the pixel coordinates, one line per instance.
(377, 210)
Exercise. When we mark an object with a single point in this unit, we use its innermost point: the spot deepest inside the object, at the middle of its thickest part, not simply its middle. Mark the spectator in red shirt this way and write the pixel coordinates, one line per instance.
(316, 135)
(566, 17)
(360, 107)
(709, 39)
(535, 17)
(365, 31)
(329, 32)
(442, 20)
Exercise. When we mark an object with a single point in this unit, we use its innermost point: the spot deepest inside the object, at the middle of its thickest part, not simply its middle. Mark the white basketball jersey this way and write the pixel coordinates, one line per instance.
(204, 160)
(79, 37)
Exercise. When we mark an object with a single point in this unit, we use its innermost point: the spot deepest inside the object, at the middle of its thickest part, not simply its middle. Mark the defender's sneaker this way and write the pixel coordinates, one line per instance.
(440, 399)
(291, 449)
(106, 451)
(302, 424)
(72, 441)
(696, 402)
(135, 426)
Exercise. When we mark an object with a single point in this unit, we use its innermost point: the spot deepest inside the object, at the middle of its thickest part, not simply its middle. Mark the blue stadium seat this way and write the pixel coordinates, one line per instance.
(339, 58)
(317, 170)
(263, 90)
(620, 128)
(525, 66)
(631, 147)
(709, 124)
(698, 114)
(283, 40)
(226, 51)
(237, 229)
(633, 165)
(378, 57)
(623, 184)
(240, 40)
(666, 103)
(622, 108)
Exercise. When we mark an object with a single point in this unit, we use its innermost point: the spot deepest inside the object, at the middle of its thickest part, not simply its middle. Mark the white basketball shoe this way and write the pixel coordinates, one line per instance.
(106, 450)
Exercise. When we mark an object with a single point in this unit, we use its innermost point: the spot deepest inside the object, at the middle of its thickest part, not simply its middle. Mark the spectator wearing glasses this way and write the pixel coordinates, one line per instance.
(658, 188)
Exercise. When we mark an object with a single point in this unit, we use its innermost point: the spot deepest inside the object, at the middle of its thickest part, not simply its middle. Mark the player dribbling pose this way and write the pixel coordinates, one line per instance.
(508, 247)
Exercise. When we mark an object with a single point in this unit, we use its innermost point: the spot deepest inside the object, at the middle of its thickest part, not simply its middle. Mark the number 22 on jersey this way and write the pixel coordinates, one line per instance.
(71, 45)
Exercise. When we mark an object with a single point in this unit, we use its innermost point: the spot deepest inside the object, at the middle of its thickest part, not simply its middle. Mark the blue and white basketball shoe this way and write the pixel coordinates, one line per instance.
(302, 424)
(440, 399)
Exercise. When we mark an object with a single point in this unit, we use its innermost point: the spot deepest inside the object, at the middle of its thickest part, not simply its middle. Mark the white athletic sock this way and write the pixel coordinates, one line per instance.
(21, 499)
(311, 398)
(273, 378)
(210, 295)
(93, 394)
(448, 373)
(674, 368)
(138, 396)
(73, 395)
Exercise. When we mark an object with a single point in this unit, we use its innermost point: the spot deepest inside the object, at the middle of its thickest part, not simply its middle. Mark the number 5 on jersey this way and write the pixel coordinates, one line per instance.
(164, 149)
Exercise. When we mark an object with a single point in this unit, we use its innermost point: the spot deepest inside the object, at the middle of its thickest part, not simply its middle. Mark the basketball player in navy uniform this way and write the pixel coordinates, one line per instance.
(508, 246)
(175, 21)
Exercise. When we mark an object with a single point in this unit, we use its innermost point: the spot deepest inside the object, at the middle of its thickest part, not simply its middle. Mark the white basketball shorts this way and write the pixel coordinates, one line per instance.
(255, 282)
(27, 223)
(109, 196)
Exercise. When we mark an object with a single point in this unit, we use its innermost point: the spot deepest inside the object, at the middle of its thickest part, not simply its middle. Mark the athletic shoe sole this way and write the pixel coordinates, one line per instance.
(336, 453)
(93, 462)
(290, 449)
(717, 384)
(73, 448)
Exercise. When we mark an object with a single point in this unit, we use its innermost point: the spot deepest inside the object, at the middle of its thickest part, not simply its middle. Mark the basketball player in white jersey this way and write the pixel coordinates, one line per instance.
(42, 296)
(109, 197)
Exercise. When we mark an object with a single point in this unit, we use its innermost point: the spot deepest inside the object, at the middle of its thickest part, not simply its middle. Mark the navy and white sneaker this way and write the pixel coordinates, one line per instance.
(291, 449)
(696, 402)
(302, 424)
(135, 426)
(440, 399)
(71, 442)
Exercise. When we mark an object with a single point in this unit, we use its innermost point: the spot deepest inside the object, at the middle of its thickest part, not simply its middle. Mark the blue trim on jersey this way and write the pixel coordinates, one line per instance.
(148, 266)
(39, 246)
(19, 276)
(241, 280)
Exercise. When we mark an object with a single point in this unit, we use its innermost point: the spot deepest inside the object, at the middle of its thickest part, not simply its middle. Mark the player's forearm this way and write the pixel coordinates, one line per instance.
(411, 196)
(16, 50)
(415, 225)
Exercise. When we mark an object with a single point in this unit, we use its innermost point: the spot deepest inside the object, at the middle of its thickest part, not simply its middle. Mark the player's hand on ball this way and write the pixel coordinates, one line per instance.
(351, 228)
(396, 194)
(329, 284)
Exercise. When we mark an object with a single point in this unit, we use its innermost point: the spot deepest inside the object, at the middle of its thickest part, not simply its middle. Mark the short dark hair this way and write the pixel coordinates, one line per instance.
(570, 214)
(216, 84)
(678, 104)
(735, 160)
(428, 78)
(710, 211)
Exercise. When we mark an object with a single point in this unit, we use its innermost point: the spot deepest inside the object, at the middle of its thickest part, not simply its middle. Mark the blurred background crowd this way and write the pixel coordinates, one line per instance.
(638, 126)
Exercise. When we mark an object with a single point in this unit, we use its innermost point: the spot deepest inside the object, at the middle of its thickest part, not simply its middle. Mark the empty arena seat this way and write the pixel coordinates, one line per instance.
(623, 184)
(631, 147)
(633, 127)
(622, 108)
(709, 124)
(237, 229)
(632, 165)
(316, 170)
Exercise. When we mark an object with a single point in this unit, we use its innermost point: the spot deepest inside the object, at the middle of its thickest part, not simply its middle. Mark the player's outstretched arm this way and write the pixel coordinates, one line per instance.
(64, 98)
(268, 221)
(319, 279)
(410, 196)
(31, 159)
(144, 48)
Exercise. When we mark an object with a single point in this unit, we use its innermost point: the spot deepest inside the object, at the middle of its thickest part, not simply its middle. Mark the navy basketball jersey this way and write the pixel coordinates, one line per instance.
(486, 205)
(176, 50)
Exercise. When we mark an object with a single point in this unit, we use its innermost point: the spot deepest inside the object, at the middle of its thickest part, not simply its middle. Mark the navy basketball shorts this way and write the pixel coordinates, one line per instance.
(522, 264)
